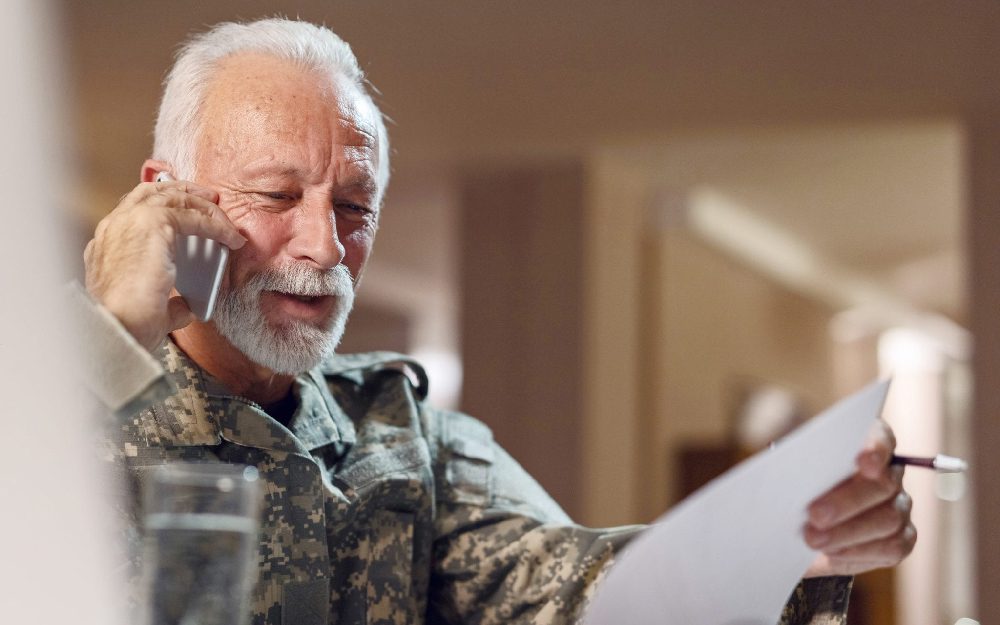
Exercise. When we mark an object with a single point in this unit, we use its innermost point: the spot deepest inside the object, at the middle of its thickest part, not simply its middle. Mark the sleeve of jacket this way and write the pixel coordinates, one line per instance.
(505, 552)
(818, 601)
(123, 376)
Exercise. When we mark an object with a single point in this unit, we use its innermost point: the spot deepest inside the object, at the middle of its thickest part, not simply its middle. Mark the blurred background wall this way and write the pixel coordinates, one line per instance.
(641, 239)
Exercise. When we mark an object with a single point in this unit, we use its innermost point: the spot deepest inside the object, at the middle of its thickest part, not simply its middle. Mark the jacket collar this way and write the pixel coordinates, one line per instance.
(352, 367)
(202, 411)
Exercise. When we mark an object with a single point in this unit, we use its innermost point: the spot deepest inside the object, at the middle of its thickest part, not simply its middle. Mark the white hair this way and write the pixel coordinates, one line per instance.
(178, 125)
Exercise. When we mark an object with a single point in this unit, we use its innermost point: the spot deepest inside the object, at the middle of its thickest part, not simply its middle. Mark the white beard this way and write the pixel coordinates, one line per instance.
(293, 346)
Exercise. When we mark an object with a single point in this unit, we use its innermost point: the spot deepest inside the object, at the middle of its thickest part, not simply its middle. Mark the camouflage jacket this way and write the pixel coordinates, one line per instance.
(381, 509)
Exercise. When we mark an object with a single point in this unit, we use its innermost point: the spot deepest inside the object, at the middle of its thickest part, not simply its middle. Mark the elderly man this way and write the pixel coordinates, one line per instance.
(378, 508)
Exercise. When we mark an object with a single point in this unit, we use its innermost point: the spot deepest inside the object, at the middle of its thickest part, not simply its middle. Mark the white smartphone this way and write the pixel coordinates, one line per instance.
(200, 263)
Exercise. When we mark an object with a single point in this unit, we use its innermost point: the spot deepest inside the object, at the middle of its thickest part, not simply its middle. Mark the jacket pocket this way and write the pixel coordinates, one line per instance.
(469, 458)
(404, 458)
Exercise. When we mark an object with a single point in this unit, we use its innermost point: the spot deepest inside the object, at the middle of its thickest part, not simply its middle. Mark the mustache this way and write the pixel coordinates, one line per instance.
(305, 280)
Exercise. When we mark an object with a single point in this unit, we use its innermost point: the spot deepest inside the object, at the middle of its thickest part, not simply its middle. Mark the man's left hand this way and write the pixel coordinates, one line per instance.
(863, 523)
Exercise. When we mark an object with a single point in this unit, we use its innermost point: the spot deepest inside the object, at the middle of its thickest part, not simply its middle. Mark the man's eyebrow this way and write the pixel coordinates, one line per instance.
(365, 184)
(356, 182)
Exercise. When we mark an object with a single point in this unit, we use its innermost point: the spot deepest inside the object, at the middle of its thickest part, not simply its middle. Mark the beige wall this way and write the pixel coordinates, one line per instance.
(521, 289)
(613, 215)
(672, 328)
(721, 326)
(984, 217)
(593, 363)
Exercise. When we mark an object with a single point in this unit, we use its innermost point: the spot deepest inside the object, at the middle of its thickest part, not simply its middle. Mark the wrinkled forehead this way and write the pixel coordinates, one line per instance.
(357, 108)
(256, 93)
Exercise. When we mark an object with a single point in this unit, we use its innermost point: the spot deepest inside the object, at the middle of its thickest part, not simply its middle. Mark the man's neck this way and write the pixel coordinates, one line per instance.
(213, 353)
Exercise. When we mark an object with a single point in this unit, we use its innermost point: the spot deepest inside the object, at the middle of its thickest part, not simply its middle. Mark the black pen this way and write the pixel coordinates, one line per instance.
(940, 463)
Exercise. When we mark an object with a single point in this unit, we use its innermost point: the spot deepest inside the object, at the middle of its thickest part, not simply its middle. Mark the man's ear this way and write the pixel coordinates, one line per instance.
(152, 167)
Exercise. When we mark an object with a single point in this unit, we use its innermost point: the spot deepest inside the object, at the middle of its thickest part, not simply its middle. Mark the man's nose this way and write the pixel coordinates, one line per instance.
(314, 238)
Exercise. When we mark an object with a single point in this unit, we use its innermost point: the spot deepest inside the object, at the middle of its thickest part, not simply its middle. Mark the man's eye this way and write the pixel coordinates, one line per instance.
(277, 195)
(353, 211)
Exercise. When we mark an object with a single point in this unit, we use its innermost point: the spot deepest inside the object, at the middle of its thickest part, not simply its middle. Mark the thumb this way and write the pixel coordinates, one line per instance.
(178, 313)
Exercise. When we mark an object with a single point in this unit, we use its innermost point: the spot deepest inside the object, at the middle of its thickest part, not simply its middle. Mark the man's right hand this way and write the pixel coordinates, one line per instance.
(130, 261)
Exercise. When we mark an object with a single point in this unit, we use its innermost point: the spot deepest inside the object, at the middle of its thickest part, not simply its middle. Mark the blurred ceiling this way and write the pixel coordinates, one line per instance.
(468, 80)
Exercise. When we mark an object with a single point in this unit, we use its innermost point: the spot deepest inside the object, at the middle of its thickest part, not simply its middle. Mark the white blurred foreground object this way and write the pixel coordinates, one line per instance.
(733, 552)
(57, 554)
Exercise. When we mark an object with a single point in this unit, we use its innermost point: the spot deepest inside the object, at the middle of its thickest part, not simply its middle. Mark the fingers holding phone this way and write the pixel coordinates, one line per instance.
(200, 262)
(132, 261)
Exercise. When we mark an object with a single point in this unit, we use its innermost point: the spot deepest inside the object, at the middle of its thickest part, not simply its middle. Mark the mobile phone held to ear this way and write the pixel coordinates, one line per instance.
(199, 263)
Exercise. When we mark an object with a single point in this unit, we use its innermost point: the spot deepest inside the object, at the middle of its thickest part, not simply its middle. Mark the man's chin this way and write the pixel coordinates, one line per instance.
(289, 359)
(284, 346)
(282, 332)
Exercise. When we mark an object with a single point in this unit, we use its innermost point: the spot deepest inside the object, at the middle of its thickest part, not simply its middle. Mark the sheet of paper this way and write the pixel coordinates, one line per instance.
(732, 553)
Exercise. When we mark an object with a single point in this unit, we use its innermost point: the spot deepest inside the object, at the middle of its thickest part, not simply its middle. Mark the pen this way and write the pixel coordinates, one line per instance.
(940, 463)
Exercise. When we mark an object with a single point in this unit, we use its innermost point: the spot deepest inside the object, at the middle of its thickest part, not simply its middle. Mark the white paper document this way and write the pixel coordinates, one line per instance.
(732, 553)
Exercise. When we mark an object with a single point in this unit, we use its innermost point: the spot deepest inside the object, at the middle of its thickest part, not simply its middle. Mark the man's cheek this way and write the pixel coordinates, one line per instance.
(241, 262)
(357, 248)
(256, 225)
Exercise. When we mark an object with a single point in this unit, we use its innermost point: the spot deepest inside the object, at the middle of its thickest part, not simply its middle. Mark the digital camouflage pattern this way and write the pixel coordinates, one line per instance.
(379, 509)
(825, 598)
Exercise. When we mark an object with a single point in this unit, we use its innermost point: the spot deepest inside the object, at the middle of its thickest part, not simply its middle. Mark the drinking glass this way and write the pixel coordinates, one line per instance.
(201, 523)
